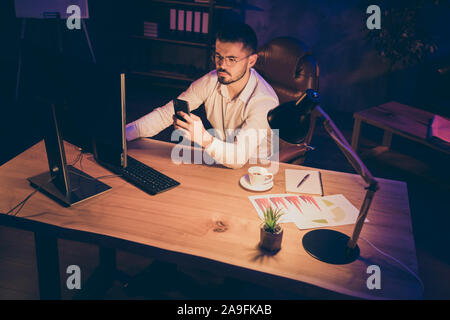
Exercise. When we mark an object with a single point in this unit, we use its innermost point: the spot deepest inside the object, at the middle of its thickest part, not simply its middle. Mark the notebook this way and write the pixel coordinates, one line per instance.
(311, 185)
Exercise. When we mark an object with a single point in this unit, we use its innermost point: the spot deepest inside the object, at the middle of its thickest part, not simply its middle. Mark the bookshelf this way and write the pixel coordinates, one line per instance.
(167, 75)
(197, 4)
(174, 39)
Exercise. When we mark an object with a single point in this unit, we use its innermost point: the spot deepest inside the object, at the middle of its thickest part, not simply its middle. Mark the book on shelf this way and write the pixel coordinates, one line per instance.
(151, 29)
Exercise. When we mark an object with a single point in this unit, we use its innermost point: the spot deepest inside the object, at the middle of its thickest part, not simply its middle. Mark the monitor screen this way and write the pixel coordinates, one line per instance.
(92, 111)
(109, 136)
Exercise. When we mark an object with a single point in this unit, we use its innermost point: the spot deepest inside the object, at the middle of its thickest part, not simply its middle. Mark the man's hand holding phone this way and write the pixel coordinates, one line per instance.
(180, 105)
(191, 124)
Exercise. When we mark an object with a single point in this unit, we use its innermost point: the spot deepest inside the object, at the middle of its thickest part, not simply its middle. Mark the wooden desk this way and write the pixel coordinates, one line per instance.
(208, 222)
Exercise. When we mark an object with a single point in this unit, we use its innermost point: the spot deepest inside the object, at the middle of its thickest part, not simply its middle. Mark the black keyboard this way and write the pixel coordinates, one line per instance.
(146, 178)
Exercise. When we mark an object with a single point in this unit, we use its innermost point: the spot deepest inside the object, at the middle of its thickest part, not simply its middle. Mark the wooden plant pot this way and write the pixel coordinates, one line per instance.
(270, 241)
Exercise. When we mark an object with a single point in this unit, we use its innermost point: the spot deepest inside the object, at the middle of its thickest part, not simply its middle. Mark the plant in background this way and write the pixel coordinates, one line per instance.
(403, 39)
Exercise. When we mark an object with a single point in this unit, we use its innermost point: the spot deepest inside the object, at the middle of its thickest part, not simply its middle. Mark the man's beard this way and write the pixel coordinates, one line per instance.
(223, 81)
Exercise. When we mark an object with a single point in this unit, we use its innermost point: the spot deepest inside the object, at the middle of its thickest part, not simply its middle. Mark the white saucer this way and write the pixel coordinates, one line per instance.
(245, 183)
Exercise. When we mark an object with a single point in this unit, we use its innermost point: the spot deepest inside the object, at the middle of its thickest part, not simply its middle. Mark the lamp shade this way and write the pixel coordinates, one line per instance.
(292, 118)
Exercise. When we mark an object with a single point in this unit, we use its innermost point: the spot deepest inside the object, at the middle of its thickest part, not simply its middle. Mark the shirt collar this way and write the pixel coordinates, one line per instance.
(245, 94)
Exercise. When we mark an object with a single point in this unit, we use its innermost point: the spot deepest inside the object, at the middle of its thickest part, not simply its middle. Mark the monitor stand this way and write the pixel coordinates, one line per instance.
(82, 186)
(63, 183)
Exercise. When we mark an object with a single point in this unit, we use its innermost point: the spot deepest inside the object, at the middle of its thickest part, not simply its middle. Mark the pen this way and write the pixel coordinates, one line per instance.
(303, 180)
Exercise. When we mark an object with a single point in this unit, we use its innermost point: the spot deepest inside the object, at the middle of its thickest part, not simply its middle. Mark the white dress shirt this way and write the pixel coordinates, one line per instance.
(241, 130)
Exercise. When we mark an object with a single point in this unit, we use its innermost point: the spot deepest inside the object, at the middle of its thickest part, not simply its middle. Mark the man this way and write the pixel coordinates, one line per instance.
(236, 98)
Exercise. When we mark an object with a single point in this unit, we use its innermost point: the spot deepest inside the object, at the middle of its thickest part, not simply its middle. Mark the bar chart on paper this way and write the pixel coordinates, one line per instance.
(308, 211)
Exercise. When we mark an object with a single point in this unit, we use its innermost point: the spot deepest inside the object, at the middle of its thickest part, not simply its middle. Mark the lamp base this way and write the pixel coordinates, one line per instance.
(329, 246)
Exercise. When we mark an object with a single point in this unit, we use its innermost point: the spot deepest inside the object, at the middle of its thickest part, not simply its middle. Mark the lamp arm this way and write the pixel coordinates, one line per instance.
(345, 147)
(359, 166)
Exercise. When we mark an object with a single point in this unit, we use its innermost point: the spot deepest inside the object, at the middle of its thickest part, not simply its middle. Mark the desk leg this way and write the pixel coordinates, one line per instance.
(356, 132)
(108, 261)
(102, 279)
(48, 267)
(387, 138)
(108, 266)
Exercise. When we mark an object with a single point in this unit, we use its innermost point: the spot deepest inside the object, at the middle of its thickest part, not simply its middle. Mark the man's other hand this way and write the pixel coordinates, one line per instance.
(193, 128)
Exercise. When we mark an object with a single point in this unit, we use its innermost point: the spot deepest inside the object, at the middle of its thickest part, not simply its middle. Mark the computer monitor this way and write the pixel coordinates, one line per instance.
(87, 109)
(94, 112)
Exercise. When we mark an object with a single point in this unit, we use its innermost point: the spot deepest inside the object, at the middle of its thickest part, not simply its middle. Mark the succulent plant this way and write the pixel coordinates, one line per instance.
(271, 219)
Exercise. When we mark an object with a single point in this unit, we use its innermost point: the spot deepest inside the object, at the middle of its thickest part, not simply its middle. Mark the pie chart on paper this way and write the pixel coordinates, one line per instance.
(337, 211)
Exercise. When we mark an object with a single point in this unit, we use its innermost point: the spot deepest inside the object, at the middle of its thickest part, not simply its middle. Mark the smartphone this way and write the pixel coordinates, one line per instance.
(180, 105)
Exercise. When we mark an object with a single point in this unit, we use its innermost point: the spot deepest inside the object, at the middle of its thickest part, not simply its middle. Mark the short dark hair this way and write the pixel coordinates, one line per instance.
(238, 32)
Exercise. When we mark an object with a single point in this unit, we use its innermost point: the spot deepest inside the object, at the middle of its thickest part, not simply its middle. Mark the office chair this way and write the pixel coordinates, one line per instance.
(287, 65)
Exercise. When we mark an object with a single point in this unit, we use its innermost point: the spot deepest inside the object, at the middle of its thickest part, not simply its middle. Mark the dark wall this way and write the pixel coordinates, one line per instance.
(353, 76)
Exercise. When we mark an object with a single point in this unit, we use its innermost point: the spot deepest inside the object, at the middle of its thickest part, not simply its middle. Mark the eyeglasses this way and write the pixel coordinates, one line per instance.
(228, 61)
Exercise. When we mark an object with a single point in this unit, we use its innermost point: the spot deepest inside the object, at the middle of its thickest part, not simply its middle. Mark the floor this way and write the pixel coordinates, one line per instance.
(18, 278)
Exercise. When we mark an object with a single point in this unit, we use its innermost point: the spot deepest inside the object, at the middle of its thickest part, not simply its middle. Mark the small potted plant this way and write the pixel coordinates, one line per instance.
(271, 231)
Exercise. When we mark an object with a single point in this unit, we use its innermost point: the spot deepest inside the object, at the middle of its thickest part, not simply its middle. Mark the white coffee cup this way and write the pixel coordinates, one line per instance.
(259, 176)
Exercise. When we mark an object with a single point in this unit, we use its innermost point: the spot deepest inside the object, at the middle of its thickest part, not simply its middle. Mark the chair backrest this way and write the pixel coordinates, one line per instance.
(287, 65)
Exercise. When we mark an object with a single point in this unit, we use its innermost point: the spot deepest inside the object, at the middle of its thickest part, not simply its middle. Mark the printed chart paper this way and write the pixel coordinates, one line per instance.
(308, 211)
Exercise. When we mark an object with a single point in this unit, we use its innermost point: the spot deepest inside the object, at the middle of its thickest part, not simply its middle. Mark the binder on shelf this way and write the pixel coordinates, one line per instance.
(173, 22)
(197, 21)
(205, 25)
(181, 20)
(189, 23)
(205, 22)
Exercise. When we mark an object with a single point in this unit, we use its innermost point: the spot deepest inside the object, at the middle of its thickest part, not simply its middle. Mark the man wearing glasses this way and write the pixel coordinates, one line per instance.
(236, 98)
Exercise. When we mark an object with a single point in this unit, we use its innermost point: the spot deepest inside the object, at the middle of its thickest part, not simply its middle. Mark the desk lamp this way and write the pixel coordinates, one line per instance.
(293, 121)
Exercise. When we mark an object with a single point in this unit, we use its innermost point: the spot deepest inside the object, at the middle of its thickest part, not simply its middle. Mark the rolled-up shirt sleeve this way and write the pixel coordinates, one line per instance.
(162, 117)
(247, 139)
